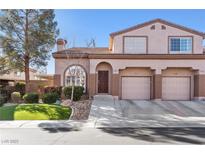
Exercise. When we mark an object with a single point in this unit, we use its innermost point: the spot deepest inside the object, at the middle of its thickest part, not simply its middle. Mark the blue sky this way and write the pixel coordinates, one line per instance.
(81, 25)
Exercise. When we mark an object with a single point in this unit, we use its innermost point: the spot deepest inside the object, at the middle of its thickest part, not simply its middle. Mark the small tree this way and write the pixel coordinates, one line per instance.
(27, 37)
(73, 72)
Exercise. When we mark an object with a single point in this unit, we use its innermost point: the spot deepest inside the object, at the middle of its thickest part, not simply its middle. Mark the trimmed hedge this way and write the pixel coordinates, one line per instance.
(50, 98)
(16, 97)
(3, 95)
(20, 87)
(31, 98)
(3, 99)
(78, 92)
(8, 90)
(57, 90)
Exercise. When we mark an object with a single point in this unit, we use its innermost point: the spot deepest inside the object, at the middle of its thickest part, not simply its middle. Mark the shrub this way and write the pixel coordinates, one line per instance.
(8, 90)
(57, 90)
(3, 95)
(16, 97)
(50, 98)
(20, 87)
(3, 99)
(78, 92)
(31, 98)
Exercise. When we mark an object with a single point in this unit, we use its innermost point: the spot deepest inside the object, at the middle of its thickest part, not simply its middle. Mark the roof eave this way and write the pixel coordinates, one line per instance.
(73, 55)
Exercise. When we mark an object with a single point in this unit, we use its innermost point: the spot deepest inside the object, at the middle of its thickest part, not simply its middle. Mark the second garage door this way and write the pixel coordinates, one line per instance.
(136, 88)
(176, 88)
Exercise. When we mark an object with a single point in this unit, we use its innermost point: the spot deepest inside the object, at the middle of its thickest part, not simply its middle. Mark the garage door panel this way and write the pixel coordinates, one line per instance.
(176, 88)
(136, 88)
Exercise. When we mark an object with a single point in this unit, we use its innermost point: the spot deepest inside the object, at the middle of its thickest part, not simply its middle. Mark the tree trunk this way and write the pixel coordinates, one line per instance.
(27, 75)
(26, 56)
(72, 92)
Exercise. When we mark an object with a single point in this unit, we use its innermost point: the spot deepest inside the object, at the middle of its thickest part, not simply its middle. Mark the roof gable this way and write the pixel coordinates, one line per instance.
(160, 21)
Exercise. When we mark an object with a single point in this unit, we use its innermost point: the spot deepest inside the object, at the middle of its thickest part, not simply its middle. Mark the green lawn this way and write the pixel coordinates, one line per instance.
(35, 112)
(7, 112)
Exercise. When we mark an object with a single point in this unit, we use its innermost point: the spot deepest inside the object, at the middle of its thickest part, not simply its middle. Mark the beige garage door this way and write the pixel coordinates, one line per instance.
(176, 88)
(136, 88)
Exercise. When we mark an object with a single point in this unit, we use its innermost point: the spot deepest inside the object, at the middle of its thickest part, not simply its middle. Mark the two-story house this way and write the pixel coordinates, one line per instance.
(153, 60)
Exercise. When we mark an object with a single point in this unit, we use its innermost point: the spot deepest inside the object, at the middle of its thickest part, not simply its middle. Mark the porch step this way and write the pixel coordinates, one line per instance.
(103, 97)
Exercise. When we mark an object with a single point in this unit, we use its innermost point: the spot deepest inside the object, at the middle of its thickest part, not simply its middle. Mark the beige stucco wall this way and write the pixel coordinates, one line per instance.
(177, 72)
(156, 65)
(62, 64)
(132, 67)
(136, 72)
(158, 39)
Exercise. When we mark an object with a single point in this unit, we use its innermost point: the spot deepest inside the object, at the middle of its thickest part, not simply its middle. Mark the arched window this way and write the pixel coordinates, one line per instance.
(75, 75)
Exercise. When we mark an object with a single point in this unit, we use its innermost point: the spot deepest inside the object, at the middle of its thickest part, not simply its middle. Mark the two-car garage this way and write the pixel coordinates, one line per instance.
(137, 84)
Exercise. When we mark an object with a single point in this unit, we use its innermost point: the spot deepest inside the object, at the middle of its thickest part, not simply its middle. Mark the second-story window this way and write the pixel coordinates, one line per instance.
(135, 44)
(180, 45)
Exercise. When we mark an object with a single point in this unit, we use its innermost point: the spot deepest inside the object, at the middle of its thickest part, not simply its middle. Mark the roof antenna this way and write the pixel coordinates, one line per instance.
(91, 43)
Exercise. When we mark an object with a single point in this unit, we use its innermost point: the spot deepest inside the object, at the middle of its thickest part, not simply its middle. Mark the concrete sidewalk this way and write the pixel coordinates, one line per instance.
(46, 124)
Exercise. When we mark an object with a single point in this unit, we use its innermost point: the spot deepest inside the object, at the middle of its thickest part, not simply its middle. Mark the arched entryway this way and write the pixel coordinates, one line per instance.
(104, 78)
(75, 74)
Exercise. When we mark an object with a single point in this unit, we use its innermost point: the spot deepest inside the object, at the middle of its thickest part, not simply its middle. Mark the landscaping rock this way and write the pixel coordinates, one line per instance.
(81, 109)
(66, 102)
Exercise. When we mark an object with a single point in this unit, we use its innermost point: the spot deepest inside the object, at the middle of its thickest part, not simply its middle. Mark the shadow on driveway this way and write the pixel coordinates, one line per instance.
(191, 135)
(57, 127)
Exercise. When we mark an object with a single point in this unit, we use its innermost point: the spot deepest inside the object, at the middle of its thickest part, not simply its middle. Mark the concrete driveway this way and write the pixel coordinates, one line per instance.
(108, 112)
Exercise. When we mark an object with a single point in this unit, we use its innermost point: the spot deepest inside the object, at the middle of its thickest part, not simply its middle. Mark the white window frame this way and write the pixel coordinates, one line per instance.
(135, 51)
(180, 51)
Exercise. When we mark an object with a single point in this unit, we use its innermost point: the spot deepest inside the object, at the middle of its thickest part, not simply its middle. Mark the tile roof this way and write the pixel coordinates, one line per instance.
(99, 50)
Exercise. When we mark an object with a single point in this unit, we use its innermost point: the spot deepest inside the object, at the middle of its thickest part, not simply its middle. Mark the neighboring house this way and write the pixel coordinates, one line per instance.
(15, 76)
(154, 60)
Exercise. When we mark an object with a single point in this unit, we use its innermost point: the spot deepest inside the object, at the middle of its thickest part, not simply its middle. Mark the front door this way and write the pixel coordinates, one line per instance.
(102, 81)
